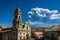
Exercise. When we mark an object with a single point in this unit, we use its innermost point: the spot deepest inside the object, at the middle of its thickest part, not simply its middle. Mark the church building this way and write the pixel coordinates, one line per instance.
(17, 31)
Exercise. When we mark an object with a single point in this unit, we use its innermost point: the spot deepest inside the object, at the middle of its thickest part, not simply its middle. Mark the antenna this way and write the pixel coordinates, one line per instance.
(17, 3)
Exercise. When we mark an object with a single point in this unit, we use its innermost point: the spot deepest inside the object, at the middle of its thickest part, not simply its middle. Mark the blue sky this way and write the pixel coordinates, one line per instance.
(41, 13)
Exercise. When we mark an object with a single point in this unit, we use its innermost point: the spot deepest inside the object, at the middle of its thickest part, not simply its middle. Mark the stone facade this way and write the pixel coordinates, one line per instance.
(24, 32)
(17, 31)
(52, 33)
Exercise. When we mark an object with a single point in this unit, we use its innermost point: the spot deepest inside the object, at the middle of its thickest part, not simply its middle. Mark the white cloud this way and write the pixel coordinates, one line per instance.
(53, 11)
(38, 10)
(39, 24)
(43, 17)
(55, 16)
(42, 12)
(29, 16)
(30, 12)
(36, 22)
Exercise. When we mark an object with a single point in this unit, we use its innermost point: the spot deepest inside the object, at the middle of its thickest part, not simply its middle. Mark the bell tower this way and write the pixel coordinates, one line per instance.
(17, 22)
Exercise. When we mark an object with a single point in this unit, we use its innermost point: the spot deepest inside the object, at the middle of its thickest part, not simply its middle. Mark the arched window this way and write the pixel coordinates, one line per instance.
(15, 16)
